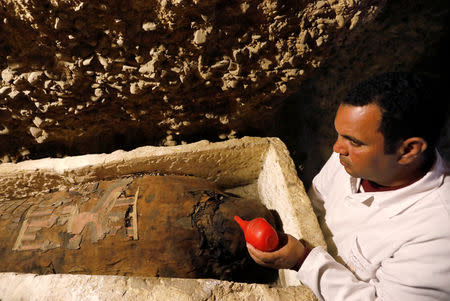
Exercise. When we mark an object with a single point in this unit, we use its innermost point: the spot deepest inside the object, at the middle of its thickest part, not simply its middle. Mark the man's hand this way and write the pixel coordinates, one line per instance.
(289, 256)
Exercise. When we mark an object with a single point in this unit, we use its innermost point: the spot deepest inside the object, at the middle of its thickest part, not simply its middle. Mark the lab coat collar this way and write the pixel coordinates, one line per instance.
(395, 201)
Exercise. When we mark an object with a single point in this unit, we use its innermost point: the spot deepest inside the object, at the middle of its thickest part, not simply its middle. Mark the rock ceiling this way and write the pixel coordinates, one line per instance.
(81, 76)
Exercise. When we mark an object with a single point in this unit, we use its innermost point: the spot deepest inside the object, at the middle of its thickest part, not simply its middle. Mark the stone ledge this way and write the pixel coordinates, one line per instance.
(86, 287)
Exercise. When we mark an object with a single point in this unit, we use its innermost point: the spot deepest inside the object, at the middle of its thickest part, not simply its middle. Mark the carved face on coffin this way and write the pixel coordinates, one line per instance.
(168, 226)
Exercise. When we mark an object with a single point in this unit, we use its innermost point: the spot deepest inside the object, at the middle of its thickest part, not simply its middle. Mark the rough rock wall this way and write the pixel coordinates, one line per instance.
(82, 77)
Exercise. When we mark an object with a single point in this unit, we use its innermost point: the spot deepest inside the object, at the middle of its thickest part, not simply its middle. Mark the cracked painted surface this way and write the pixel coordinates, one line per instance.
(181, 227)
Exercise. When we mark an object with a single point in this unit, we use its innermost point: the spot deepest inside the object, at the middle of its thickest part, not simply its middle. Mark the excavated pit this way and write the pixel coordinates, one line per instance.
(232, 175)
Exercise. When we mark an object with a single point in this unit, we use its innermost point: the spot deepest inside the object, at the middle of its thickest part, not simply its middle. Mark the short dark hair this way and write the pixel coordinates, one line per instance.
(410, 104)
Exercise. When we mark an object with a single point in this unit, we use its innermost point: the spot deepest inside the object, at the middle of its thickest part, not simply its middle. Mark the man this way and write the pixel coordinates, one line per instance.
(382, 199)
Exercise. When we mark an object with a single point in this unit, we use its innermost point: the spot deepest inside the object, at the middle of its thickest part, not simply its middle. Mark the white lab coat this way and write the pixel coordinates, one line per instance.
(393, 245)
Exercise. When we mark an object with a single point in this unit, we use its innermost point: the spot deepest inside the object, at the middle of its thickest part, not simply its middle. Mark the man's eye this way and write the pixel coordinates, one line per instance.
(355, 143)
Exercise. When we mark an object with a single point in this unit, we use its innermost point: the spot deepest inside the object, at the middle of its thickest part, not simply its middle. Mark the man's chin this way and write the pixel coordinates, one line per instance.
(350, 171)
(347, 167)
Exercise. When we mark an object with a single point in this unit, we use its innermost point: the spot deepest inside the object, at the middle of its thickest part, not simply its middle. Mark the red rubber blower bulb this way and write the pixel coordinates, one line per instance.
(259, 233)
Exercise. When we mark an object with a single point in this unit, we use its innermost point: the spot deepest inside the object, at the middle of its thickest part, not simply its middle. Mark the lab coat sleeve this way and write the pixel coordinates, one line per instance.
(418, 272)
(330, 280)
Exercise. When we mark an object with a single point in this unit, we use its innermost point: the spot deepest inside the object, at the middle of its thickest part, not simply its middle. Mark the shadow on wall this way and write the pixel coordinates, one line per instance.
(307, 130)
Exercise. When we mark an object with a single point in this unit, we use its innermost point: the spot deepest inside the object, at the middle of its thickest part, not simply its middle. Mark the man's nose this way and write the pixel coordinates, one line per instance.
(339, 146)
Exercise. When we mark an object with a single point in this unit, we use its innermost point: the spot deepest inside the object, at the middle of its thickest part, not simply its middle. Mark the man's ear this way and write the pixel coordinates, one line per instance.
(411, 149)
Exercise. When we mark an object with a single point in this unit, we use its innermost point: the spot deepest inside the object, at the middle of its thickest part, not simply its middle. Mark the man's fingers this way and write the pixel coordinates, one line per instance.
(260, 257)
(256, 259)
(260, 262)
(258, 253)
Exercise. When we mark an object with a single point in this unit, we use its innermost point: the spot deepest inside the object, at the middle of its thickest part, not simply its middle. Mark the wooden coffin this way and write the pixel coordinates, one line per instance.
(141, 225)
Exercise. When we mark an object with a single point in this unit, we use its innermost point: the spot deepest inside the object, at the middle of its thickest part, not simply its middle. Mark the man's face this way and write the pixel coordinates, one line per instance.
(360, 144)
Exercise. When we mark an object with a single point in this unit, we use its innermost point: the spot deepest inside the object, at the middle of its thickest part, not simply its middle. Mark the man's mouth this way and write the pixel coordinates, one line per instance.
(343, 161)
